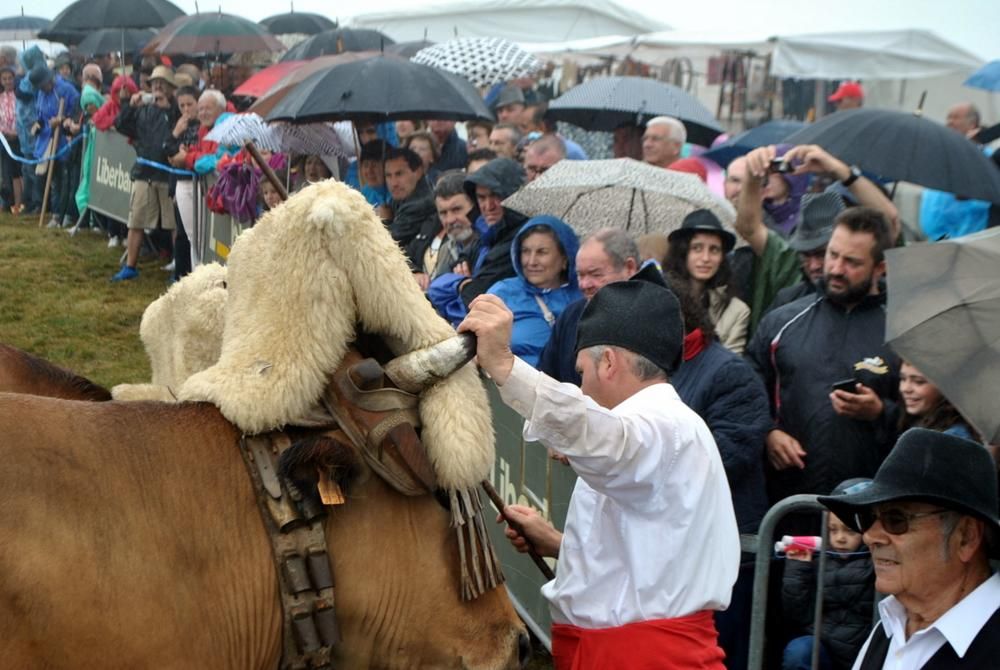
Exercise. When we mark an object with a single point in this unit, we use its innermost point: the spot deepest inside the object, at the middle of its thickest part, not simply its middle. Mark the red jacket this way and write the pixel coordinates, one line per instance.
(202, 148)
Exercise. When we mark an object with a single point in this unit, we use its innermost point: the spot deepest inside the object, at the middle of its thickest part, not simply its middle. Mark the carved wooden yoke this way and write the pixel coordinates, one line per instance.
(359, 409)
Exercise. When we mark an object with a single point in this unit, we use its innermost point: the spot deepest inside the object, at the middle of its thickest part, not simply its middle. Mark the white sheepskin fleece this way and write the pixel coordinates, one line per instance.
(299, 281)
(182, 333)
(137, 392)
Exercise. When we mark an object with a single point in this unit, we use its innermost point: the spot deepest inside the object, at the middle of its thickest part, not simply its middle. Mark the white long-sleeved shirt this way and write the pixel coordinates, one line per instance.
(650, 532)
(958, 627)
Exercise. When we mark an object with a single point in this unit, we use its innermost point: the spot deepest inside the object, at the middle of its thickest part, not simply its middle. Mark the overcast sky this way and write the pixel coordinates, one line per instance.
(968, 23)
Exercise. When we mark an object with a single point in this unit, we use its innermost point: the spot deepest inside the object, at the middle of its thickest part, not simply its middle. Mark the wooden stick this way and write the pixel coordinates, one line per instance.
(48, 176)
(498, 503)
(266, 169)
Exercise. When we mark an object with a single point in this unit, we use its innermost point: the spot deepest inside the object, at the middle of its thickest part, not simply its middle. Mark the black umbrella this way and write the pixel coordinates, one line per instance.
(297, 22)
(604, 103)
(770, 132)
(338, 41)
(899, 146)
(115, 39)
(96, 14)
(408, 49)
(380, 88)
(68, 37)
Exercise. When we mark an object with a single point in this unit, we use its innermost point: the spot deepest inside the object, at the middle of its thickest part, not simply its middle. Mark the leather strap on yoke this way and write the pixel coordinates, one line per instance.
(294, 525)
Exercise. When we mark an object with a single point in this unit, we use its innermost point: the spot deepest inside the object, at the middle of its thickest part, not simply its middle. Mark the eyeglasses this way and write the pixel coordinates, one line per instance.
(894, 521)
(536, 169)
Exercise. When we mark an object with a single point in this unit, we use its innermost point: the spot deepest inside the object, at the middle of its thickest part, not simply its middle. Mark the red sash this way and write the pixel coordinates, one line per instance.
(684, 643)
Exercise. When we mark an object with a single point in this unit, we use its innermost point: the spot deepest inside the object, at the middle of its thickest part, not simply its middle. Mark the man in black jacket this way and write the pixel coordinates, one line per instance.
(413, 210)
(489, 260)
(149, 124)
(823, 436)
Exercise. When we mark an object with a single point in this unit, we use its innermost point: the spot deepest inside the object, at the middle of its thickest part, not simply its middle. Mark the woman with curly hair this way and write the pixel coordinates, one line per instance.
(697, 259)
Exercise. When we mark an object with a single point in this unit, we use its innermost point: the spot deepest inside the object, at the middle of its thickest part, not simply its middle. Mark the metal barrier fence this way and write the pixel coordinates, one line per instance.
(524, 474)
(111, 191)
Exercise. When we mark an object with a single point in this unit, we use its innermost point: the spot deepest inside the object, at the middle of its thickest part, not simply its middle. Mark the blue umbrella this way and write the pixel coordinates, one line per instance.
(770, 132)
(987, 77)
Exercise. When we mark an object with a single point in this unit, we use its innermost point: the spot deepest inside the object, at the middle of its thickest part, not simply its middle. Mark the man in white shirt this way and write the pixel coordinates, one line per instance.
(650, 547)
(930, 520)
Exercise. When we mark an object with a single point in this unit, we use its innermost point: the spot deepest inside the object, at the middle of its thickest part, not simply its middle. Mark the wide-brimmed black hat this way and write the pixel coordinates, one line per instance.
(703, 221)
(929, 466)
(815, 227)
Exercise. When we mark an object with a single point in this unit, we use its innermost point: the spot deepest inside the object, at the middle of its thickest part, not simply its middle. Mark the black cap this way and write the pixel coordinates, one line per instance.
(816, 214)
(502, 176)
(639, 315)
(704, 221)
(929, 466)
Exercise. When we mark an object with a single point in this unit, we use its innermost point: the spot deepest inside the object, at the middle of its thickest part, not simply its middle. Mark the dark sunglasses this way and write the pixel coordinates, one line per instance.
(894, 521)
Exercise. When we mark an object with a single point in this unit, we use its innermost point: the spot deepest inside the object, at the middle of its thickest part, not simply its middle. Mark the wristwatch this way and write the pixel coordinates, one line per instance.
(855, 172)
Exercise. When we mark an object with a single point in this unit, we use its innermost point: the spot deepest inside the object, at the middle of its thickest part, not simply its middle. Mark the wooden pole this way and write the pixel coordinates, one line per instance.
(498, 503)
(48, 176)
(266, 169)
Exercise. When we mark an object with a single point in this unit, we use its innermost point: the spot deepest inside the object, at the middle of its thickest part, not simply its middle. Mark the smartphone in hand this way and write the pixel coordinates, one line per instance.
(846, 385)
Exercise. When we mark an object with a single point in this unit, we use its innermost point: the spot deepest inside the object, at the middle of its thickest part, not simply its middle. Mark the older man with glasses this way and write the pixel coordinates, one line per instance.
(930, 520)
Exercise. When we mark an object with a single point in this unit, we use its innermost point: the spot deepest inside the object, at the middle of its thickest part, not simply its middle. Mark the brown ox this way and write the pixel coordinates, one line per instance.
(130, 539)
(21, 372)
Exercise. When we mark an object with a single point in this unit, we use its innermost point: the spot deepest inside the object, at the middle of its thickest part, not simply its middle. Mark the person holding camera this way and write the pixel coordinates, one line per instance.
(148, 119)
(823, 435)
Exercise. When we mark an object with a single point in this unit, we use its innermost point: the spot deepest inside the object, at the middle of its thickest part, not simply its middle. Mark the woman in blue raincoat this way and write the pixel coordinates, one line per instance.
(544, 257)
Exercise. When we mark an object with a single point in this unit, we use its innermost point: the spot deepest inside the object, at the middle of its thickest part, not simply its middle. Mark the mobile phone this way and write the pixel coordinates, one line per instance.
(147, 98)
(780, 165)
(847, 385)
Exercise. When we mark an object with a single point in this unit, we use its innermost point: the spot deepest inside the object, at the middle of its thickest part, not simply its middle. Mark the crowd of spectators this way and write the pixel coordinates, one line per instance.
(778, 316)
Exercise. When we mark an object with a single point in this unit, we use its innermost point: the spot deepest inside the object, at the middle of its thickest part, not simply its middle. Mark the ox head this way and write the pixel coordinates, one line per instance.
(413, 603)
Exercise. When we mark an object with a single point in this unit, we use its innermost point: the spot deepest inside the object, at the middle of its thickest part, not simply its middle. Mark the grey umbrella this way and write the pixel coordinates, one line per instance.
(944, 318)
(619, 193)
(604, 103)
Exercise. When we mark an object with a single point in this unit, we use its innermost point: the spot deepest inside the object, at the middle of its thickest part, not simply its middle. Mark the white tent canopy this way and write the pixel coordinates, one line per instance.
(515, 20)
(893, 54)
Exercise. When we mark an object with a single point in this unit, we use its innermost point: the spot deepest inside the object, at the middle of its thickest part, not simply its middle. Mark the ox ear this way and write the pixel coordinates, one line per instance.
(333, 454)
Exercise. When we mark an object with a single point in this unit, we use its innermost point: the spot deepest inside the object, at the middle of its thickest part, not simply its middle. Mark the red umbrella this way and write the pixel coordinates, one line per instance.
(261, 82)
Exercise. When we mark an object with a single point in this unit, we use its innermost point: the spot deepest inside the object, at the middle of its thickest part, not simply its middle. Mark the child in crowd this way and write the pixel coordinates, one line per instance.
(269, 197)
(848, 592)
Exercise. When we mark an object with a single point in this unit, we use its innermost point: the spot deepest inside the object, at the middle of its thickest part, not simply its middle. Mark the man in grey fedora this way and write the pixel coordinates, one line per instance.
(930, 520)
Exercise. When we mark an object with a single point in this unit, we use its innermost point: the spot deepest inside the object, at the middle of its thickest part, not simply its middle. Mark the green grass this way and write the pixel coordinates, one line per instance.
(56, 301)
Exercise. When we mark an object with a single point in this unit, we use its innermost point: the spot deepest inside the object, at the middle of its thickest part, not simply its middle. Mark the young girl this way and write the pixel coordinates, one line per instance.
(926, 407)
(269, 196)
(848, 591)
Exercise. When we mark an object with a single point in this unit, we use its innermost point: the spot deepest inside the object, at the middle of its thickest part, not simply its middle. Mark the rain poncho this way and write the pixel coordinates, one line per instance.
(531, 329)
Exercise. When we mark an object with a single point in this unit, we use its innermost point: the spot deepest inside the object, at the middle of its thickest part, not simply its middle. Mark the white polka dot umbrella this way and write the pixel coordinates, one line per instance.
(482, 60)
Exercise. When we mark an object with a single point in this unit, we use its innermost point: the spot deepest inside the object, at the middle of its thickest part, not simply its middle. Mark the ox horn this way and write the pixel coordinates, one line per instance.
(415, 371)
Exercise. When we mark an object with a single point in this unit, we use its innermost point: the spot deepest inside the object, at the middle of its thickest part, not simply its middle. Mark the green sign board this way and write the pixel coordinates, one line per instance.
(110, 183)
(524, 474)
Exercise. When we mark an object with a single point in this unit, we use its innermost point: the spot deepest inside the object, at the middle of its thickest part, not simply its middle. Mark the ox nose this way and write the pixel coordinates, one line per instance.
(523, 649)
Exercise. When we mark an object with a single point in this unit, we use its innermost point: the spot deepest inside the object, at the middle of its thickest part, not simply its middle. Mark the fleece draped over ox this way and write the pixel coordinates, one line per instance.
(300, 281)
